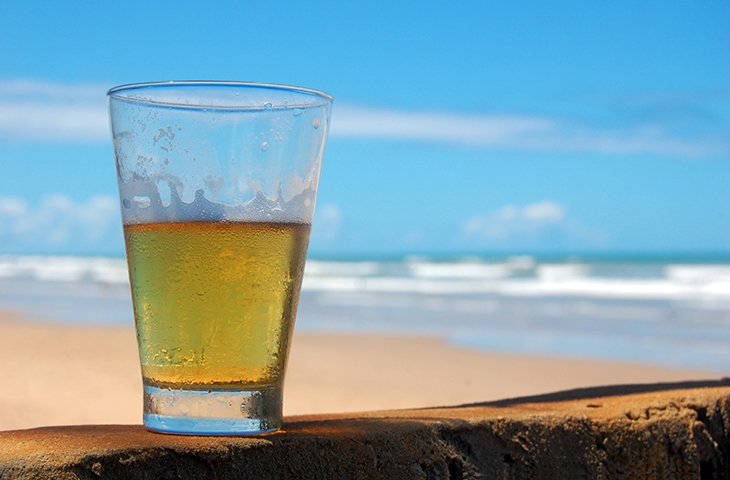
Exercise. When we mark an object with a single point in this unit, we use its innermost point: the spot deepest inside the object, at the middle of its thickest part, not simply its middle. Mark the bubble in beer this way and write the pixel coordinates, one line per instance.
(315, 123)
(142, 201)
(265, 146)
(127, 203)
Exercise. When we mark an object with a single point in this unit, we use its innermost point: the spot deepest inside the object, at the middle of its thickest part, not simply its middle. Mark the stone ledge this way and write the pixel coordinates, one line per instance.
(641, 431)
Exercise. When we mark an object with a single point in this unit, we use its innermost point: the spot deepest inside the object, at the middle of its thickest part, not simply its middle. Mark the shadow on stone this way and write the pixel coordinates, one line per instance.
(604, 391)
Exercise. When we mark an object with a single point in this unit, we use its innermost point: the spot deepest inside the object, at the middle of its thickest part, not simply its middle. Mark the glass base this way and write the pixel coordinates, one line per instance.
(251, 411)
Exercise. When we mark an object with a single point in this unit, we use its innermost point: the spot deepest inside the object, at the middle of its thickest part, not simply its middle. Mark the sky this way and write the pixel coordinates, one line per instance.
(466, 127)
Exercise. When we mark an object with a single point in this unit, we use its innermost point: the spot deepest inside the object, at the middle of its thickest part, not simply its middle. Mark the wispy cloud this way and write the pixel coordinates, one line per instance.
(520, 132)
(60, 225)
(484, 130)
(510, 221)
(542, 224)
(52, 112)
(44, 111)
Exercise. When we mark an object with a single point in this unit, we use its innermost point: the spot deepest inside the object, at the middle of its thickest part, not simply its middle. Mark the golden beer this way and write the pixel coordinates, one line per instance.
(215, 303)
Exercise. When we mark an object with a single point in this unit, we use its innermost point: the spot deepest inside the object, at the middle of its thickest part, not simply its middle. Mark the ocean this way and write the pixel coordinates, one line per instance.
(671, 311)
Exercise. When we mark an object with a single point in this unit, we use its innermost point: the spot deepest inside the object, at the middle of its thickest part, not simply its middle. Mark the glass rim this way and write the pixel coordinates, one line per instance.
(121, 92)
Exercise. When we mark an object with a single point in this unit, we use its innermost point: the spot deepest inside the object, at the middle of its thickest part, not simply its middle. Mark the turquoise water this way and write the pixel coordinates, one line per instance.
(669, 311)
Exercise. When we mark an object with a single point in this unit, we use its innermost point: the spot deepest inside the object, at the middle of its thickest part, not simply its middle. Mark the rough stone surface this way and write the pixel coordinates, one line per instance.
(672, 431)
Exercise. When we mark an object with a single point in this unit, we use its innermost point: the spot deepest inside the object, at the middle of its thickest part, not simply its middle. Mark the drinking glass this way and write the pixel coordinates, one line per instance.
(218, 184)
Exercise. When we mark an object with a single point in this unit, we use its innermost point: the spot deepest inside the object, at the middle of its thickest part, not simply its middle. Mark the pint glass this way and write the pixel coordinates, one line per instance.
(217, 182)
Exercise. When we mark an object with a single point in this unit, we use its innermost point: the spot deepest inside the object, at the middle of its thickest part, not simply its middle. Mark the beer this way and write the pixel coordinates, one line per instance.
(215, 303)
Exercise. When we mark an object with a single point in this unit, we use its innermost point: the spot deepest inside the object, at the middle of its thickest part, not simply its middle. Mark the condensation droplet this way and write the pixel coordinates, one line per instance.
(297, 111)
(268, 106)
(127, 203)
(315, 123)
(264, 146)
(142, 201)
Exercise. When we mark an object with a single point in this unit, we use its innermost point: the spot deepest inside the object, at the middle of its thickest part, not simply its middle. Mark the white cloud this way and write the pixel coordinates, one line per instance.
(536, 222)
(12, 207)
(484, 130)
(45, 111)
(515, 132)
(511, 220)
(544, 212)
(60, 224)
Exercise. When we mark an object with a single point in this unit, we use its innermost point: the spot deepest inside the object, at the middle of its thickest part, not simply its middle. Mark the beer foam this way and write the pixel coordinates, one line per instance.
(142, 203)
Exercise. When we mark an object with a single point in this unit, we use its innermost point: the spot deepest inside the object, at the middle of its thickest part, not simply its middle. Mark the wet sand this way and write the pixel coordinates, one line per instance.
(63, 375)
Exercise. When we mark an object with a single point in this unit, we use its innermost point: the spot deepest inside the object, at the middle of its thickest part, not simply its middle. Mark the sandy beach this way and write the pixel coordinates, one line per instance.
(61, 374)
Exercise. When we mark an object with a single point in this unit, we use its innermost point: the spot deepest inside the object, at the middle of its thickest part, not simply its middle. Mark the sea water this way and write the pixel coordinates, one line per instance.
(673, 312)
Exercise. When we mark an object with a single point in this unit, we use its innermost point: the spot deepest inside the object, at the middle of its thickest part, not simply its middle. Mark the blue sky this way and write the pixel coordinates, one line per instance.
(458, 127)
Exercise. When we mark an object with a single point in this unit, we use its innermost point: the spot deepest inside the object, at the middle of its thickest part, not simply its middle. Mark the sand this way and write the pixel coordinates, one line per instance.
(63, 375)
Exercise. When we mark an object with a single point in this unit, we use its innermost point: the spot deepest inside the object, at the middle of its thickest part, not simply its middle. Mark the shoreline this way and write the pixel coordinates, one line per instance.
(59, 374)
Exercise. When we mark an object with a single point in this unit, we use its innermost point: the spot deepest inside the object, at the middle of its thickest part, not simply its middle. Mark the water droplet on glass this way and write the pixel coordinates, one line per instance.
(297, 111)
(268, 106)
(141, 201)
(127, 203)
(264, 146)
(315, 123)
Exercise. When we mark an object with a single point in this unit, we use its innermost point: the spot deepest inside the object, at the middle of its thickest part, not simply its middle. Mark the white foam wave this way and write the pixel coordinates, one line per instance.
(355, 269)
(65, 269)
(698, 273)
(561, 273)
(585, 287)
(704, 283)
(708, 284)
(460, 270)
